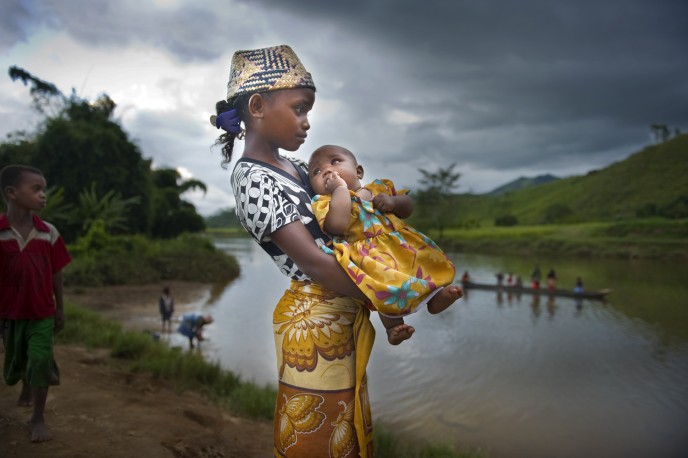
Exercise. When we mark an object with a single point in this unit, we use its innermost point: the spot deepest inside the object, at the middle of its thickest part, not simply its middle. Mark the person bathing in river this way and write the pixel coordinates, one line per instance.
(398, 268)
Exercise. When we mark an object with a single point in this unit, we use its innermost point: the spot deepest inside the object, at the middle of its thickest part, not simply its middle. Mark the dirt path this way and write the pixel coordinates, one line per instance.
(100, 411)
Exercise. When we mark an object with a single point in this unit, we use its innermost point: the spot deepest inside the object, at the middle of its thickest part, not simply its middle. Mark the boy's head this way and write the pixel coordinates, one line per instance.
(330, 160)
(23, 187)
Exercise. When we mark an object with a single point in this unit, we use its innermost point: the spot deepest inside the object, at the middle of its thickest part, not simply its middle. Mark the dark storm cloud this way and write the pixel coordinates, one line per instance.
(543, 79)
(501, 87)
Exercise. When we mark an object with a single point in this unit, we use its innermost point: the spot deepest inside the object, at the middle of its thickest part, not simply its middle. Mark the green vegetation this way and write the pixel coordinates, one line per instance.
(652, 239)
(649, 183)
(104, 259)
(389, 445)
(633, 208)
(96, 172)
(183, 370)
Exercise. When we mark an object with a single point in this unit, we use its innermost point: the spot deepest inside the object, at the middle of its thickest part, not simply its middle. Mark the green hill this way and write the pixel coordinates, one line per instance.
(522, 183)
(651, 182)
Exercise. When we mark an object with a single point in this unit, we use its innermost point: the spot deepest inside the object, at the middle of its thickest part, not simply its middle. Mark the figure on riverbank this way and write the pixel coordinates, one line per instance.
(398, 268)
(535, 277)
(191, 326)
(579, 285)
(166, 306)
(323, 334)
(551, 280)
(32, 255)
(500, 278)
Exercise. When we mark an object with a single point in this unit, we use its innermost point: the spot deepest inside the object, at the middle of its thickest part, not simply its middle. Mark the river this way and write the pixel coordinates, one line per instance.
(516, 376)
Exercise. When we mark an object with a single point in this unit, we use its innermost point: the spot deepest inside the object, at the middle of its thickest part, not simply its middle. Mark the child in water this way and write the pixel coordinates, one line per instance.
(398, 268)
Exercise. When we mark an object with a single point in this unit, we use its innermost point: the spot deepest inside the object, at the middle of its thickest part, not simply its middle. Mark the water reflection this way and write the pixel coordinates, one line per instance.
(518, 374)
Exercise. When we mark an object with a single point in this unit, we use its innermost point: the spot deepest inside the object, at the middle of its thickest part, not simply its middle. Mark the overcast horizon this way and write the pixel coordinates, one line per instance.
(503, 89)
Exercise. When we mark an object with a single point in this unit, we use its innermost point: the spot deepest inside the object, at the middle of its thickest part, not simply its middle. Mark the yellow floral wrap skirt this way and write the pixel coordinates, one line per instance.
(323, 344)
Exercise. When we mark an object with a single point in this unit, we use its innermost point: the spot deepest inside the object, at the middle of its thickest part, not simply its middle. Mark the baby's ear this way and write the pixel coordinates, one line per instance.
(359, 171)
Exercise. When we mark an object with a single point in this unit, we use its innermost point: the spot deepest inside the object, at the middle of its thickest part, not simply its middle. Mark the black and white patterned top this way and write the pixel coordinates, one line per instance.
(268, 198)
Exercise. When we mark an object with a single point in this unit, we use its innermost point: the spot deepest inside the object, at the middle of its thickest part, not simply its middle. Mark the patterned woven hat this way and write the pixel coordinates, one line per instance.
(266, 69)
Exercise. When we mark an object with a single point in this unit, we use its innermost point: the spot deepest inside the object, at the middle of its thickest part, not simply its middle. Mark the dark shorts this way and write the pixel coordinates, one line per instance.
(29, 353)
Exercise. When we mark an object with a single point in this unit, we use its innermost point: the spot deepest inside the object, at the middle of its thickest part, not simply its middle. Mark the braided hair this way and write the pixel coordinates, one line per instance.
(226, 139)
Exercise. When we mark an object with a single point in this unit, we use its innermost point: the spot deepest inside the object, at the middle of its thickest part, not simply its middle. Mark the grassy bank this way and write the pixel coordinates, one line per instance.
(642, 238)
(648, 239)
(183, 370)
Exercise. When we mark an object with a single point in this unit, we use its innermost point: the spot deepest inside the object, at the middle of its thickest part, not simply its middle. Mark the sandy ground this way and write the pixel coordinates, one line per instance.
(100, 411)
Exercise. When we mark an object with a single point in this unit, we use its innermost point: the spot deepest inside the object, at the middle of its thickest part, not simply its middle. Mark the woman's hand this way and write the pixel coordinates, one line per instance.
(383, 202)
(401, 206)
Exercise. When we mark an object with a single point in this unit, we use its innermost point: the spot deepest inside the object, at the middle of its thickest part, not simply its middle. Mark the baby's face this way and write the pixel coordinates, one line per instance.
(329, 166)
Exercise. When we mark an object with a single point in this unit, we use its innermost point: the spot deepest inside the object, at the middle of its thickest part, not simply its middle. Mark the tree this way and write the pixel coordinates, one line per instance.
(46, 97)
(110, 208)
(80, 145)
(660, 132)
(433, 199)
(172, 214)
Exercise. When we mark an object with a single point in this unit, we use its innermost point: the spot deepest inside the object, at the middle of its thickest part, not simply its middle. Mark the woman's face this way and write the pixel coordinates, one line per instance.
(285, 116)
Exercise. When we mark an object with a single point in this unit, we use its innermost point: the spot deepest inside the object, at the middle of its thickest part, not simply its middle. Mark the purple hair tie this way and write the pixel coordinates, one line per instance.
(229, 121)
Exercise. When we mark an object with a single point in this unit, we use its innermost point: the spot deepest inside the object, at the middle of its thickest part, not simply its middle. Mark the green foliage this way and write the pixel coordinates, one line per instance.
(388, 445)
(182, 370)
(78, 145)
(101, 258)
(646, 238)
(558, 213)
(223, 219)
(87, 328)
(655, 176)
(173, 215)
(506, 220)
(433, 208)
(110, 210)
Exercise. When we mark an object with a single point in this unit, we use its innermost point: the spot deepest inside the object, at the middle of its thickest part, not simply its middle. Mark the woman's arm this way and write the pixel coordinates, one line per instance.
(402, 206)
(297, 243)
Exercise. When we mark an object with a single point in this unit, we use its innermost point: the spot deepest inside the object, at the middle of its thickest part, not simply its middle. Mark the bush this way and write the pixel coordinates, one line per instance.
(506, 221)
(104, 259)
(558, 213)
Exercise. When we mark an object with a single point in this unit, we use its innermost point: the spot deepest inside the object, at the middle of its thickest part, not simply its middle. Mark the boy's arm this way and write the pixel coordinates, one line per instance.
(338, 217)
(400, 205)
(59, 305)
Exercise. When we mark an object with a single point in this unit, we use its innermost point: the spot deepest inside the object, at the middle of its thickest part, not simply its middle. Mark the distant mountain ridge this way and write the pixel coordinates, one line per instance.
(653, 181)
(522, 183)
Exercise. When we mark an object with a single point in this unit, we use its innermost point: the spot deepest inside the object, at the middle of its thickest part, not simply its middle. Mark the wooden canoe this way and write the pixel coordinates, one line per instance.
(600, 294)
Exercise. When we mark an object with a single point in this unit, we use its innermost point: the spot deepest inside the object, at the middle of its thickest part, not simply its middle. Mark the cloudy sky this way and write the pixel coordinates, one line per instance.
(503, 89)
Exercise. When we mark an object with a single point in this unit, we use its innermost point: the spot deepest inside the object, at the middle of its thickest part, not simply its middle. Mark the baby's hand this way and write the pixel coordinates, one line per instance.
(384, 203)
(333, 181)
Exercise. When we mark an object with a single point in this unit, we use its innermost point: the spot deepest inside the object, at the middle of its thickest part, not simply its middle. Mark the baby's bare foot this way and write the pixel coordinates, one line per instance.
(444, 298)
(39, 432)
(398, 334)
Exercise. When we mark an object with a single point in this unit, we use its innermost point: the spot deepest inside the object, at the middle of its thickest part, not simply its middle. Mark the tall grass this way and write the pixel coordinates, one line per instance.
(388, 445)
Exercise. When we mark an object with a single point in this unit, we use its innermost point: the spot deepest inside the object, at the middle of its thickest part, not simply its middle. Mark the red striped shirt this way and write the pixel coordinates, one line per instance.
(26, 270)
